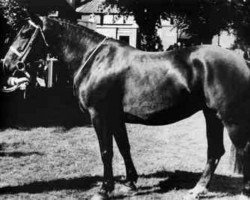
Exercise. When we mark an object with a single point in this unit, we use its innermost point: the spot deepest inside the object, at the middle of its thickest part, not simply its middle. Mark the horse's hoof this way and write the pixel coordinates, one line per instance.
(131, 186)
(197, 191)
(100, 196)
(190, 197)
(128, 189)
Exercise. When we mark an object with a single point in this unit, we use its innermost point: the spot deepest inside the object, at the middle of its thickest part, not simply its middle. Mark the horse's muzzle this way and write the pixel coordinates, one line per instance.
(14, 82)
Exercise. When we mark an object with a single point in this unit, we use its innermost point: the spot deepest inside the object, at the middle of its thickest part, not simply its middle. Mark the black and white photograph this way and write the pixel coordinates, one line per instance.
(125, 99)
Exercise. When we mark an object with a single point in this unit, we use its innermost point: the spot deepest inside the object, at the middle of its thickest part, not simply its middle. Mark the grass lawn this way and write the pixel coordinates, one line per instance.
(56, 163)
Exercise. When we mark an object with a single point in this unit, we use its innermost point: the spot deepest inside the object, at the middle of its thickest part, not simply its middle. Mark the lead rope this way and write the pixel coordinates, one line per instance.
(90, 56)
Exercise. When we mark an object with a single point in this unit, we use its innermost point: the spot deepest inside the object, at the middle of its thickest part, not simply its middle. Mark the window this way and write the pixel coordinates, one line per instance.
(124, 39)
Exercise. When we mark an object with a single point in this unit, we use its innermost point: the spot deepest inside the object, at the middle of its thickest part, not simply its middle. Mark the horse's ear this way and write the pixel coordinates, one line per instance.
(43, 22)
(34, 18)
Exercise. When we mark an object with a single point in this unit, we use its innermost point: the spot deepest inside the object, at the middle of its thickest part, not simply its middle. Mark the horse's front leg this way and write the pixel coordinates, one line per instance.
(214, 152)
(105, 139)
(121, 137)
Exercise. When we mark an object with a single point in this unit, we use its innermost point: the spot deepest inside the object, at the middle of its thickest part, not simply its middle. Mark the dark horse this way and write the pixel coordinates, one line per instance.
(117, 83)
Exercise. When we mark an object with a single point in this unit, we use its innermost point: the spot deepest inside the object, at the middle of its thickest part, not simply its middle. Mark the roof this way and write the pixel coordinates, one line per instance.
(95, 6)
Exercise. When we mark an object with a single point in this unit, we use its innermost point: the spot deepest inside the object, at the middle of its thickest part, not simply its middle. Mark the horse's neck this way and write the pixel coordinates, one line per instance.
(73, 47)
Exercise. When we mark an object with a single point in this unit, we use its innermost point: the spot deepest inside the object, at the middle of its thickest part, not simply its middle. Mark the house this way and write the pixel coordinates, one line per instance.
(109, 22)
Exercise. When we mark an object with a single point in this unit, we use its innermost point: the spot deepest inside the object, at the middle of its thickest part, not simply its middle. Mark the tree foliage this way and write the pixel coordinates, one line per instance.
(203, 19)
(241, 20)
(14, 13)
(12, 16)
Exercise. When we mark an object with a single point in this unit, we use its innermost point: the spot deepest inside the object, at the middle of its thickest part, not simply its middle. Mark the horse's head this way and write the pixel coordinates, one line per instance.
(28, 46)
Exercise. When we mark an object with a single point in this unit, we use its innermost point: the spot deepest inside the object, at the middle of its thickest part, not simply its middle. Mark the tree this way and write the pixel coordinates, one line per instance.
(11, 21)
(204, 19)
(241, 20)
(14, 13)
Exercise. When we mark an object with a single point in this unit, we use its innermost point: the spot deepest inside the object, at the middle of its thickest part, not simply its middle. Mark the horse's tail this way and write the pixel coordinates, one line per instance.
(236, 160)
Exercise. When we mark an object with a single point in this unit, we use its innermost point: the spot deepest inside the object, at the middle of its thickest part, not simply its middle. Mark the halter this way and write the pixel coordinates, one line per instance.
(89, 57)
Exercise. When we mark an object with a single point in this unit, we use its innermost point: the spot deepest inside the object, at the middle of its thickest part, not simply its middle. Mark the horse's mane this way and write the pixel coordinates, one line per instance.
(77, 29)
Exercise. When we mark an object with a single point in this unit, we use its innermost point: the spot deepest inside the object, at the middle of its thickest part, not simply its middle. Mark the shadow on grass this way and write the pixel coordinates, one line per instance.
(81, 184)
(18, 154)
(178, 180)
(183, 180)
(42, 107)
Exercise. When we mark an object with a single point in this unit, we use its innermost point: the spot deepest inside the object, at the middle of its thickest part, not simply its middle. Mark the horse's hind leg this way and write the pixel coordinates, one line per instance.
(239, 135)
(121, 137)
(246, 170)
(214, 152)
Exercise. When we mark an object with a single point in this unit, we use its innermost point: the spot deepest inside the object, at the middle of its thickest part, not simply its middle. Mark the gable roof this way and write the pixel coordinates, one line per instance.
(95, 6)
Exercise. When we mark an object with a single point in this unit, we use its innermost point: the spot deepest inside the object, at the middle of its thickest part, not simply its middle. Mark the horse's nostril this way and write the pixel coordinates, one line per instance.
(20, 66)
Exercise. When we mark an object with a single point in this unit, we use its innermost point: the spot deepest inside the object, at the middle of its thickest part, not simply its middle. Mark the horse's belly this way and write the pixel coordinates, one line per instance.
(161, 114)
